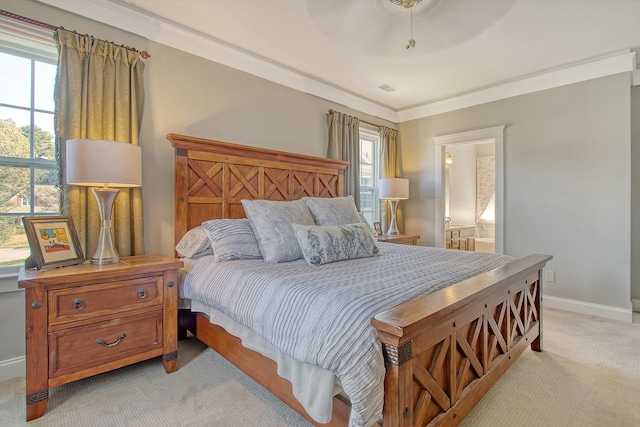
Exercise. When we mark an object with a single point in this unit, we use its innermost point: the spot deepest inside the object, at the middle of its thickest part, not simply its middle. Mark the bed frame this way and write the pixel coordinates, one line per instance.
(442, 351)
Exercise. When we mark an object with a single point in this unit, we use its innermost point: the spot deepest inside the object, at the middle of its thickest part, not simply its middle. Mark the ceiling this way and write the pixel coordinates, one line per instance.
(466, 51)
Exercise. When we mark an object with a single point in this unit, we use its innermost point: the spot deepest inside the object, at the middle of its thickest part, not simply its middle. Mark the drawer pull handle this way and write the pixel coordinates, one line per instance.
(78, 304)
(142, 293)
(100, 341)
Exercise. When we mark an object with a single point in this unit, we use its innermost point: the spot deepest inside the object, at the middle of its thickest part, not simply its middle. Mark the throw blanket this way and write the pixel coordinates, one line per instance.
(321, 315)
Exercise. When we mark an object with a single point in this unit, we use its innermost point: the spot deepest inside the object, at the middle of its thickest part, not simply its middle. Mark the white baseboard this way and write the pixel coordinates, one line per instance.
(635, 305)
(605, 311)
(12, 368)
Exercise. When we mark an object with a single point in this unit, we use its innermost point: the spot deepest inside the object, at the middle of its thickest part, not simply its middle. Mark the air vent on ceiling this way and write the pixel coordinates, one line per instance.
(387, 88)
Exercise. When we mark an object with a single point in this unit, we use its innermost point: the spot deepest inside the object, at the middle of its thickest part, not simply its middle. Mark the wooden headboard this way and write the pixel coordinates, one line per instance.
(211, 177)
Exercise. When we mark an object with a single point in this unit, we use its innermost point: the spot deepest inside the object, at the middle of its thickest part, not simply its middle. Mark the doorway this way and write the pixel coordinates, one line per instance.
(456, 142)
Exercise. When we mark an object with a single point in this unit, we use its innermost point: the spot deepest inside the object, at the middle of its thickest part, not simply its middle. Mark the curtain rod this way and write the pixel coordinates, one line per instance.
(363, 121)
(16, 17)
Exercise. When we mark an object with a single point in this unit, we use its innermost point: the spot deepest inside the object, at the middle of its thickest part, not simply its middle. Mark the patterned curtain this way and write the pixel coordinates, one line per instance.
(99, 94)
(485, 183)
(390, 168)
(344, 144)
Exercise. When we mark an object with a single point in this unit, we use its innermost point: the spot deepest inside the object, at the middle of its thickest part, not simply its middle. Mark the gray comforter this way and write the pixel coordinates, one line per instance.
(321, 315)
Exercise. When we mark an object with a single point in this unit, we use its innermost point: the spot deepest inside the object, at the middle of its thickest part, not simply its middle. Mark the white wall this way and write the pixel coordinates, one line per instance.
(567, 185)
(462, 184)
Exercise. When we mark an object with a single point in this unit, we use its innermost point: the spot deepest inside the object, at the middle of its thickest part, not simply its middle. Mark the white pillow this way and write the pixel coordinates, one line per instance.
(333, 211)
(271, 223)
(232, 239)
(325, 244)
(194, 244)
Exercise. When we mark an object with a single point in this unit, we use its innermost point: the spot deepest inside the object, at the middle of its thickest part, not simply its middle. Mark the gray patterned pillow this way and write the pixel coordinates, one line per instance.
(333, 211)
(325, 244)
(271, 222)
(232, 239)
(194, 244)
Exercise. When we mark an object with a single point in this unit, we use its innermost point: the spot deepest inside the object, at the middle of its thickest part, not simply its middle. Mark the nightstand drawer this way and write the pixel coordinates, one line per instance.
(76, 349)
(86, 302)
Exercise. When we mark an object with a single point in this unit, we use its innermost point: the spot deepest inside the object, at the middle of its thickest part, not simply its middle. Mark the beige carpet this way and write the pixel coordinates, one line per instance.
(588, 375)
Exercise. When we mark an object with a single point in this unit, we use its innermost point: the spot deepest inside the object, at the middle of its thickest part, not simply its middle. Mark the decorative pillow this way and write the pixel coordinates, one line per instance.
(271, 222)
(194, 243)
(325, 244)
(333, 211)
(364, 221)
(232, 239)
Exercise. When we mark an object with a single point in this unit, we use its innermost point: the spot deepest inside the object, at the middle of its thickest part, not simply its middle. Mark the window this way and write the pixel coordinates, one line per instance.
(28, 167)
(369, 149)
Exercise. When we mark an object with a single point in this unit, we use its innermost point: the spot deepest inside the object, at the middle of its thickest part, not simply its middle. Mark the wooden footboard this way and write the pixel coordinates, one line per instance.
(444, 351)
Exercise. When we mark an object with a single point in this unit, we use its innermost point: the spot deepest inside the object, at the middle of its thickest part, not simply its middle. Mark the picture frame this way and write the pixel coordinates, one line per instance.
(53, 241)
(378, 228)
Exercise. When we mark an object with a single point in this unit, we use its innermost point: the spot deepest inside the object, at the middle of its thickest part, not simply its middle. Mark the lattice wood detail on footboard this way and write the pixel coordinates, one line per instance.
(439, 366)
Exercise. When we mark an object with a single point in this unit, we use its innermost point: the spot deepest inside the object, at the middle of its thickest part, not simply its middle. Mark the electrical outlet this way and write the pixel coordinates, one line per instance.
(549, 276)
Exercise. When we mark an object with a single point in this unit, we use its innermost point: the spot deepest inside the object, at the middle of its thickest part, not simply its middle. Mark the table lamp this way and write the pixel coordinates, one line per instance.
(105, 164)
(394, 190)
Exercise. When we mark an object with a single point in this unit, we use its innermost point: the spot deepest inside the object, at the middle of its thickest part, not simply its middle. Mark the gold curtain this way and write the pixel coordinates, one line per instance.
(344, 144)
(390, 168)
(99, 94)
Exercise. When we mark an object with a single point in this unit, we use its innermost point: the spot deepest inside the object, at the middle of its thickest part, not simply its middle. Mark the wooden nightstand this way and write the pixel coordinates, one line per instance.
(87, 319)
(404, 239)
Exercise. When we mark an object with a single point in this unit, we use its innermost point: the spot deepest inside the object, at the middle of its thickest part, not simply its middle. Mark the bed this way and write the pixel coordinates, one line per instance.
(441, 351)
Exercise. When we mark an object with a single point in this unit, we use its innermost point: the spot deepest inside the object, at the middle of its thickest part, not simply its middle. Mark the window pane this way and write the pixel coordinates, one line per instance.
(14, 247)
(13, 142)
(45, 77)
(14, 187)
(43, 137)
(15, 80)
(369, 142)
(28, 171)
(46, 195)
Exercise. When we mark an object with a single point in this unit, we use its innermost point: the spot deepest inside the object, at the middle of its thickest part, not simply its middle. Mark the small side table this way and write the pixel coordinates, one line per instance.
(87, 319)
(403, 239)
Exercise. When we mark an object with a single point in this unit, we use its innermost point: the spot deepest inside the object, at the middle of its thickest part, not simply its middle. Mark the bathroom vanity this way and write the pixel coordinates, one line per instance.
(460, 236)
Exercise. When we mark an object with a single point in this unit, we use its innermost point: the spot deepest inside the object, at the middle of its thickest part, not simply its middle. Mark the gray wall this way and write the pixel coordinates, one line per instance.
(567, 182)
(184, 94)
(635, 197)
(567, 172)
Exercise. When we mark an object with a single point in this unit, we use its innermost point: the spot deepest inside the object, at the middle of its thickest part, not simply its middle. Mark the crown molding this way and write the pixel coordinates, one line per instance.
(620, 62)
(161, 31)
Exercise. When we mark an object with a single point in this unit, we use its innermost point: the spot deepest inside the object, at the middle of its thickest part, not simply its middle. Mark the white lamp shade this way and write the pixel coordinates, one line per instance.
(97, 162)
(394, 188)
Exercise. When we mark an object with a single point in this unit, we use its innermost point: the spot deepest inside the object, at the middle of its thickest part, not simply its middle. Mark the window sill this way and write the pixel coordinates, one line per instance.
(9, 282)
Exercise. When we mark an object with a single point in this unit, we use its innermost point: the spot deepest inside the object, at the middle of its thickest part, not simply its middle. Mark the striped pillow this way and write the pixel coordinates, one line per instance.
(232, 239)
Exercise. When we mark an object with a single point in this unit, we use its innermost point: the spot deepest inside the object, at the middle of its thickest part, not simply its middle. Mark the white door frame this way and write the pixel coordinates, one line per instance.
(493, 134)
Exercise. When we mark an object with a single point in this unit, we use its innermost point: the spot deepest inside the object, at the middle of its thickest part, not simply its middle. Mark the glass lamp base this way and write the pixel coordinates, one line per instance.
(106, 252)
